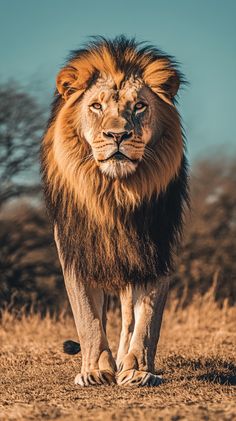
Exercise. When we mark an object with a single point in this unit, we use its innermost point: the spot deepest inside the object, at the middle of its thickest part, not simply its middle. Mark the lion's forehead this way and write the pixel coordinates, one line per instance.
(104, 89)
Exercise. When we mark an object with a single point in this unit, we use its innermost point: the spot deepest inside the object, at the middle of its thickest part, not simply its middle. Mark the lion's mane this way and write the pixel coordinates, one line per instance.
(114, 232)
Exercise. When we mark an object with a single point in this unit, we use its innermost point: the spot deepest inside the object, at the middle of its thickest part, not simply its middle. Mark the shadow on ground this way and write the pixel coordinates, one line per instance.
(224, 372)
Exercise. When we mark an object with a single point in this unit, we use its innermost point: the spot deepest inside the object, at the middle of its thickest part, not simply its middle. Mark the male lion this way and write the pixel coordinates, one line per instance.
(115, 182)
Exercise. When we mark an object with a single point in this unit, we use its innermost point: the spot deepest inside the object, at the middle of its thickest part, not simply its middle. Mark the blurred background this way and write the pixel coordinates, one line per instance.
(36, 37)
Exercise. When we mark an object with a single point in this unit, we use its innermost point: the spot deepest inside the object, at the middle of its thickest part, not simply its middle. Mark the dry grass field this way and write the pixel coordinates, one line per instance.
(196, 356)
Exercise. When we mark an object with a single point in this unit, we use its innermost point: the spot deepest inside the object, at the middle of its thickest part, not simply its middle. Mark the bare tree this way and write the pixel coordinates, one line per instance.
(21, 124)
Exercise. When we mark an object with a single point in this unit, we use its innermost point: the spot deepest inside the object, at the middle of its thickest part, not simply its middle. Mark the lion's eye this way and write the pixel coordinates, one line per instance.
(96, 106)
(140, 106)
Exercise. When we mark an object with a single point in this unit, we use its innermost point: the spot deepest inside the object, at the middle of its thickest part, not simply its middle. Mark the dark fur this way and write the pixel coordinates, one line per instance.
(158, 225)
(71, 347)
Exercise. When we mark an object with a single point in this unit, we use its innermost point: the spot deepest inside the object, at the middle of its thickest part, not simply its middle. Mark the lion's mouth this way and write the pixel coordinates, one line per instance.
(118, 156)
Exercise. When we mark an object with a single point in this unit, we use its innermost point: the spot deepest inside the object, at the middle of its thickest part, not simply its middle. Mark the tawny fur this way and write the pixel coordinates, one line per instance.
(106, 221)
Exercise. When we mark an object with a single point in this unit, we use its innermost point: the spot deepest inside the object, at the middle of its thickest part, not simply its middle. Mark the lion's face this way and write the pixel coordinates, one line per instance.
(119, 124)
(114, 124)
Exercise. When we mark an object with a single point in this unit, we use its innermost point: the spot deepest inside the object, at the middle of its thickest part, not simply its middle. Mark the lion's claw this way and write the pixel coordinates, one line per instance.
(95, 378)
(138, 378)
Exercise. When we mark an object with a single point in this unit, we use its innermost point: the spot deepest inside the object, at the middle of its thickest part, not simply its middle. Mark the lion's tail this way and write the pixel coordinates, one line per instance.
(71, 347)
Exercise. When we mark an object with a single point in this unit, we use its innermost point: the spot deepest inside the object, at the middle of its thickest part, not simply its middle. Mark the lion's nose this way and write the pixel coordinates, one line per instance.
(118, 137)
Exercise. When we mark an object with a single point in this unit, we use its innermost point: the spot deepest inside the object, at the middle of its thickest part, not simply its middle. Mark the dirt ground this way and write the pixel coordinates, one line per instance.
(196, 356)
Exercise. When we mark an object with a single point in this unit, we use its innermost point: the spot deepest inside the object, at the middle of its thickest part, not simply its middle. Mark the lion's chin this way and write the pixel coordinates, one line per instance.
(118, 169)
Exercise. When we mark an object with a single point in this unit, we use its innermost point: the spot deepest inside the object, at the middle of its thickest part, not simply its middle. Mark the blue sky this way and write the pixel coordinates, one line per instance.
(36, 36)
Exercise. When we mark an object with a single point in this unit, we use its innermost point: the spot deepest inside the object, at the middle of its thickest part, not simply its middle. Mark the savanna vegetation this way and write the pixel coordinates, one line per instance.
(196, 357)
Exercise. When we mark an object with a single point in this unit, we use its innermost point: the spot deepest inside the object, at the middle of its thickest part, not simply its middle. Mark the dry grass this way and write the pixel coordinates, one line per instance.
(195, 356)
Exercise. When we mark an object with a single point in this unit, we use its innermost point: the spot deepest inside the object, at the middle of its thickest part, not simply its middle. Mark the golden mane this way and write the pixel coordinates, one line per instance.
(74, 185)
(81, 69)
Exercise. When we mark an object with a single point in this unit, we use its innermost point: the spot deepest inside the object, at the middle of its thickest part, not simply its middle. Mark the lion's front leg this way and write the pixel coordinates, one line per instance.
(98, 365)
(137, 366)
(127, 316)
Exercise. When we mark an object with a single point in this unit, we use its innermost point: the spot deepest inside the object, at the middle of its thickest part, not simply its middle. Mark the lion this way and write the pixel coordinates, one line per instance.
(116, 187)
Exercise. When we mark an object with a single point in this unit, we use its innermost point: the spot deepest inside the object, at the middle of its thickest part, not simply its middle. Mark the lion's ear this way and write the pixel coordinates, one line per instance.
(67, 81)
(162, 78)
(171, 86)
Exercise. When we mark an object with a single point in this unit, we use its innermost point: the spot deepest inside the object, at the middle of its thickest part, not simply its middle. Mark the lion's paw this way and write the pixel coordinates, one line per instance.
(95, 378)
(138, 378)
